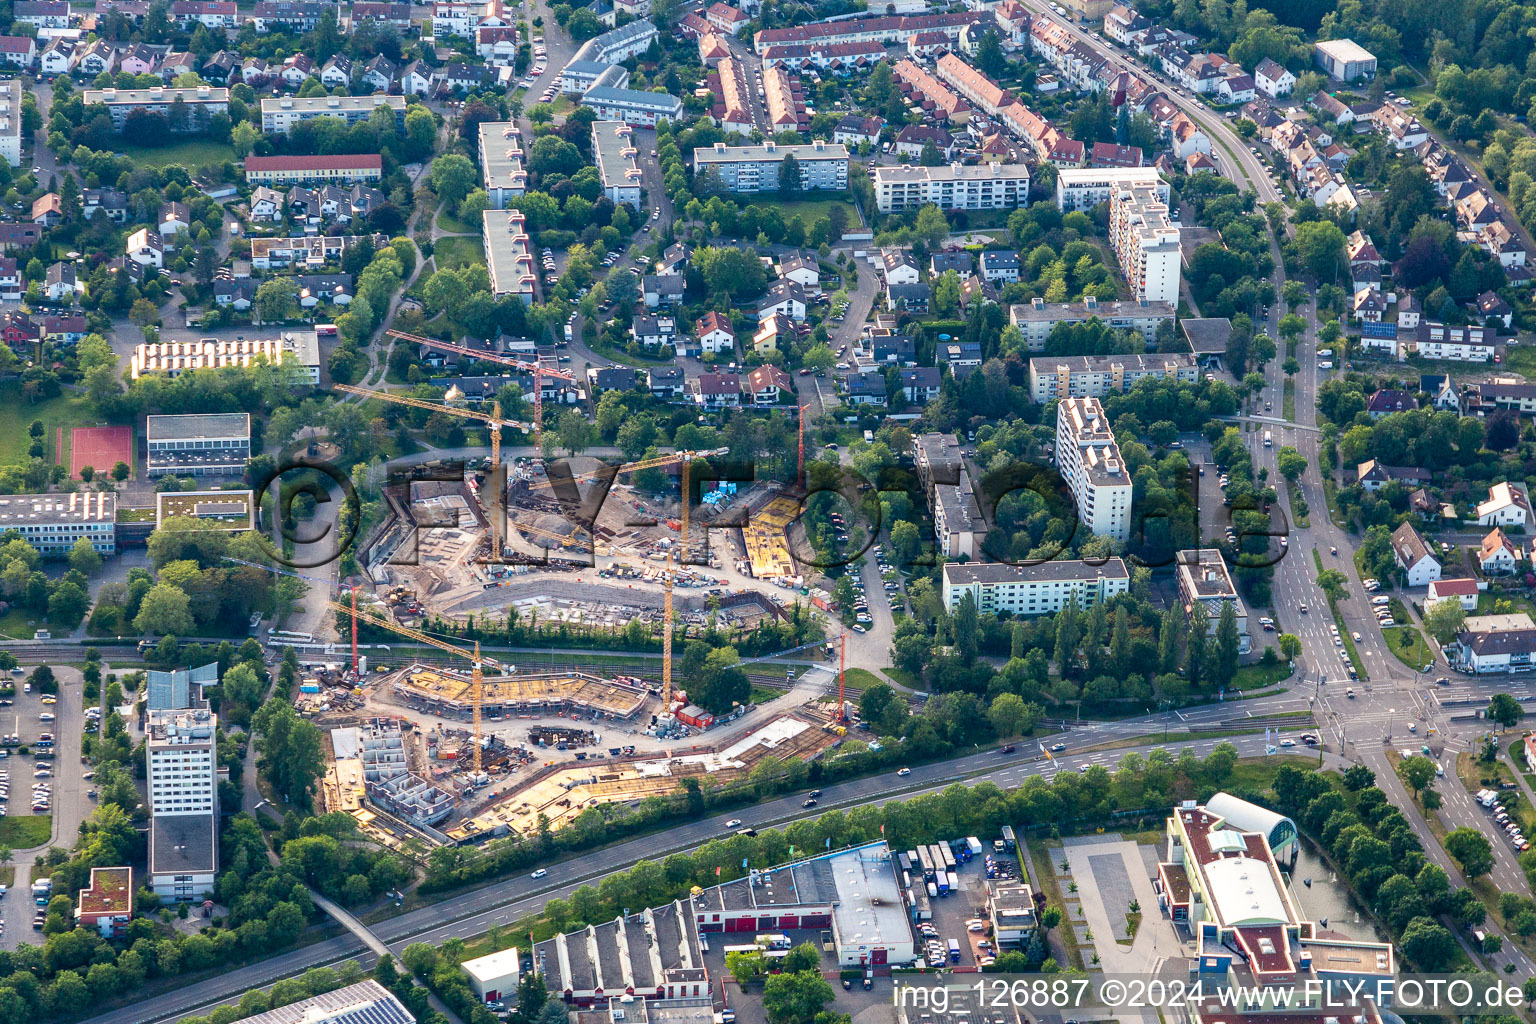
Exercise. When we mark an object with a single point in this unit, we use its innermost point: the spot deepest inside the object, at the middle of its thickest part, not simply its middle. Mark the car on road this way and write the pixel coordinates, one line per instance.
(733, 823)
(1058, 748)
(539, 873)
(808, 802)
(1287, 742)
(903, 772)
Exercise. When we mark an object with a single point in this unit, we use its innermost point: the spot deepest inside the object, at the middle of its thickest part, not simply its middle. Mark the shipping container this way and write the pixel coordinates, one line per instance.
(1008, 838)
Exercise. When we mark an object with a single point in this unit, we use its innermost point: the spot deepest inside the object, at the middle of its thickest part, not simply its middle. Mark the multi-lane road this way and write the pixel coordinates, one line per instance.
(471, 913)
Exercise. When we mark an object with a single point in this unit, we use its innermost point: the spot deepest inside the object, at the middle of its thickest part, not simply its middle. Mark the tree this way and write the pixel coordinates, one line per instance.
(1227, 643)
(165, 610)
(1444, 620)
(1417, 773)
(1010, 716)
(789, 176)
(1505, 710)
(795, 998)
(1293, 326)
(83, 557)
(1290, 646)
(906, 541)
(1332, 583)
(1429, 945)
(120, 471)
(1320, 246)
(291, 754)
(452, 178)
(1292, 463)
(1470, 848)
(574, 432)
(277, 299)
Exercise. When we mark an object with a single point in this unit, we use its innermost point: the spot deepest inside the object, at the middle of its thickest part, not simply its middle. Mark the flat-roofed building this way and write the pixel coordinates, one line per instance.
(1085, 188)
(52, 523)
(1146, 240)
(633, 106)
(182, 782)
(495, 975)
(198, 444)
(1089, 458)
(198, 104)
(1036, 319)
(235, 510)
(618, 164)
(107, 904)
(1345, 59)
(277, 171)
(1204, 580)
(1096, 376)
(1040, 589)
(1220, 880)
(823, 165)
(951, 187)
(501, 162)
(1011, 906)
(173, 358)
(507, 254)
(281, 113)
(366, 1002)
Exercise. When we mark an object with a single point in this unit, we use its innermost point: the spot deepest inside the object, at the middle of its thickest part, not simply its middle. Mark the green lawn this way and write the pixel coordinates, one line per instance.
(16, 624)
(16, 414)
(189, 154)
(458, 252)
(1259, 675)
(24, 831)
(1407, 644)
(857, 680)
(810, 210)
(454, 226)
(1521, 359)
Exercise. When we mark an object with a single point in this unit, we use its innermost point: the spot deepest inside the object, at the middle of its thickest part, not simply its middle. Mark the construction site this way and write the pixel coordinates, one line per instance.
(429, 753)
(557, 793)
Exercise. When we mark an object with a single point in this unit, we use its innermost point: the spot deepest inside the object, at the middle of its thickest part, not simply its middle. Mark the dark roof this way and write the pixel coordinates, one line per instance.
(182, 844)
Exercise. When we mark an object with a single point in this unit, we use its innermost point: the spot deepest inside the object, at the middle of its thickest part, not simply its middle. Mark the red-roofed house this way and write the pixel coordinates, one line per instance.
(726, 18)
(1108, 154)
(18, 51)
(715, 334)
(277, 171)
(766, 383)
(1463, 591)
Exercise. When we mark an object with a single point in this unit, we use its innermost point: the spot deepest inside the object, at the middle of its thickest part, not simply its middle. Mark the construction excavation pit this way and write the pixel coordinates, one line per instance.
(560, 693)
(557, 794)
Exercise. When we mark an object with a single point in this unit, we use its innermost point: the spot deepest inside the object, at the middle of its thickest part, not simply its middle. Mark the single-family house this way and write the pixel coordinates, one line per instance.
(1507, 505)
(767, 384)
(715, 334)
(1413, 557)
(1498, 555)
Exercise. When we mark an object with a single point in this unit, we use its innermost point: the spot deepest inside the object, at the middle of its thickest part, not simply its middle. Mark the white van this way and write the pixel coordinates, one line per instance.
(1325, 364)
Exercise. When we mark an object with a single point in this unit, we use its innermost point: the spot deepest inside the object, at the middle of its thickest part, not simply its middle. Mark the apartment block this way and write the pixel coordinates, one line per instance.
(952, 187)
(1096, 376)
(1085, 188)
(1089, 459)
(197, 105)
(1041, 589)
(1146, 240)
(822, 165)
(501, 162)
(279, 114)
(507, 254)
(613, 143)
(1037, 318)
(10, 121)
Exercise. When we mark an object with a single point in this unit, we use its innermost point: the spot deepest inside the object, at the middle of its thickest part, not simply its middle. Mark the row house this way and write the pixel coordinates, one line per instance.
(832, 58)
(397, 16)
(293, 16)
(1122, 22)
(43, 14)
(1013, 21)
(215, 14)
(889, 30)
(497, 44)
(935, 98)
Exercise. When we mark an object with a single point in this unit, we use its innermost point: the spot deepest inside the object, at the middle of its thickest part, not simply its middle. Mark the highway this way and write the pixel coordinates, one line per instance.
(471, 913)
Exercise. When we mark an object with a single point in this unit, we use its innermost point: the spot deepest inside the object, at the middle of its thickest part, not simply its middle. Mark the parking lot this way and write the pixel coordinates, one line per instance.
(962, 916)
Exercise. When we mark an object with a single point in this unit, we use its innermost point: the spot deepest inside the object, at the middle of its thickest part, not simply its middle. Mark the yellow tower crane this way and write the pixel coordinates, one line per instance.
(493, 421)
(477, 676)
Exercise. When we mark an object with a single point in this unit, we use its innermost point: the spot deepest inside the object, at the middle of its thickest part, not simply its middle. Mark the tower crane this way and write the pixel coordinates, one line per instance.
(314, 579)
(477, 676)
(493, 420)
(538, 370)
